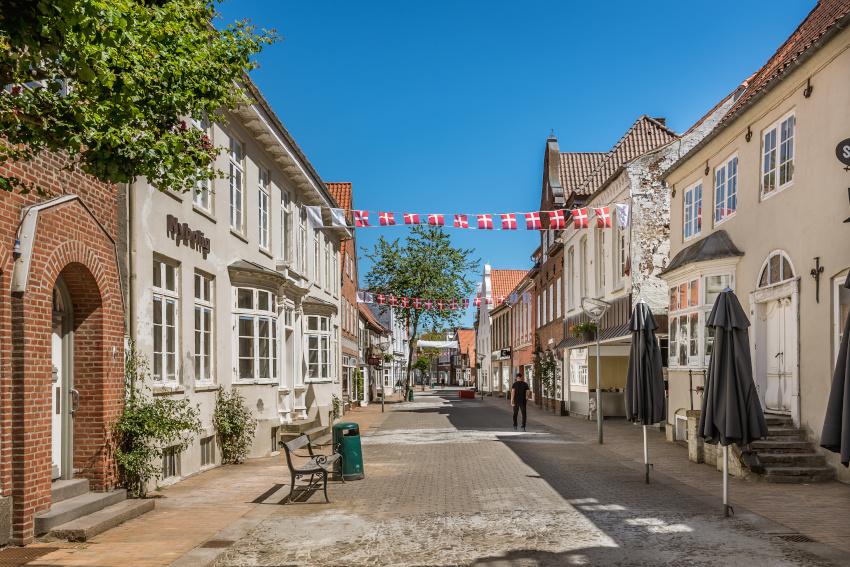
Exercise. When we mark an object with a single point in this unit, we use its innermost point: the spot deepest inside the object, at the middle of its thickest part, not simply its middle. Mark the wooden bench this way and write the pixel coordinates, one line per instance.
(315, 465)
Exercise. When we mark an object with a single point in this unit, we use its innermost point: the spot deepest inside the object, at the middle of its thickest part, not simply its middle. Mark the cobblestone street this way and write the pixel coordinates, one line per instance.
(448, 482)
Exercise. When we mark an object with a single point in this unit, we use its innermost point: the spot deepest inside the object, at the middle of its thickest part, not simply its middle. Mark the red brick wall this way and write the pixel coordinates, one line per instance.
(348, 250)
(74, 240)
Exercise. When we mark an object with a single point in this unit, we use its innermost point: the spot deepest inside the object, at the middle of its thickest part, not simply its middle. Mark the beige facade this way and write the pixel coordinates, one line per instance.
(786, 217)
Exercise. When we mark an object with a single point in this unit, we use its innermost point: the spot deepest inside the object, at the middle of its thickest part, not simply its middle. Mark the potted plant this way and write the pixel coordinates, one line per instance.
(586, 330)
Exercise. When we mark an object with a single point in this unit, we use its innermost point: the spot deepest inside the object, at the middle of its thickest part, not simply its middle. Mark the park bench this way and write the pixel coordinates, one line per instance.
(315, 464)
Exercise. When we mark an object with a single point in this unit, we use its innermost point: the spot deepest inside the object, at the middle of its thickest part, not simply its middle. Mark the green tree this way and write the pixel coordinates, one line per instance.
(111, 82)
(426, 265)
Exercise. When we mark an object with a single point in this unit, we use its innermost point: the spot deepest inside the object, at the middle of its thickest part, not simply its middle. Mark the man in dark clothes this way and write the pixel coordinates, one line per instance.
(519, 395)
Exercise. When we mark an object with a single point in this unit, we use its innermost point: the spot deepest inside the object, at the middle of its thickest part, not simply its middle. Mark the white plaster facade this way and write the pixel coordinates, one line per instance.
(483, 347)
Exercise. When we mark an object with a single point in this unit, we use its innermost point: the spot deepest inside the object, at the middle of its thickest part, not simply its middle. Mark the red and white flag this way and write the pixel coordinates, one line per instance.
(508, 221)
(361, 218)
(501, 300)
(580, 219)
(489, 300)
(532, 221)
(428, 304)
(465, 303)
(453, 304)
(441, 305)
(436, 219)
(485, 222)
(461, 221)
(380, 299)
(405, 302)
(603, 217)
(417, 303)
(557, 220)
(477, 302)
(386, 219)
(411, 218)
(393, 300)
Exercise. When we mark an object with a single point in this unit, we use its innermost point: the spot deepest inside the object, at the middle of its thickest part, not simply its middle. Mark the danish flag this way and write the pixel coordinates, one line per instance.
(508, 221)
(428, 304)
(501, 300)
(417, 302)
(557, 220)
(453, 304)
(461, 221)
(361, 218)
(532, 221)
(485, 222)
(441, 305)
(386, 219)
(405, 301)
(477, 302)
(465, 303)
(393, 300)
(411, 218)
(489, 300)
(436, 220)
(603, 217)
(380, 299)
(580, 219)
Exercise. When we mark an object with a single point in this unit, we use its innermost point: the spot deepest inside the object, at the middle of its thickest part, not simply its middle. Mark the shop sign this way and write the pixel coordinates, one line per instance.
(842, 152)
(182, 234)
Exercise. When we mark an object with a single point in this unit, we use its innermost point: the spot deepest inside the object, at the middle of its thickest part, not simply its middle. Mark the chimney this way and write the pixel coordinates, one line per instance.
(661, 120)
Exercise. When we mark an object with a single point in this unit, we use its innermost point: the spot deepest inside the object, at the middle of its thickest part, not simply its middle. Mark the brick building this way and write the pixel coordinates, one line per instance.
(521, 301)
(496, 305)
(61, 339)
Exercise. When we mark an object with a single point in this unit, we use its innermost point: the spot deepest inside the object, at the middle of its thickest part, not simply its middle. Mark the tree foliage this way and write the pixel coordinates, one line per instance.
(111, 83)
(234, 426)
(425, 265)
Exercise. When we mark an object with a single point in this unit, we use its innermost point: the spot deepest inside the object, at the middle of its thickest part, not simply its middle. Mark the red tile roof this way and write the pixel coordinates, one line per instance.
(576, 166)
(466, 345)
(822, 19)
(645, 135)
(342, 194)
(504, 281)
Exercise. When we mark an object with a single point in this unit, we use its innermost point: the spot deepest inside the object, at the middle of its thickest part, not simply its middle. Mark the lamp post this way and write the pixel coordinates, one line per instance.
(595, 309)
(478, 384)
(384, 346)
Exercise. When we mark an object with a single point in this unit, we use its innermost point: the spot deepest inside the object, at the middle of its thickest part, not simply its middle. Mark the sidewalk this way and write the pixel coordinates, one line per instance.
(219, 504)
(820, 511)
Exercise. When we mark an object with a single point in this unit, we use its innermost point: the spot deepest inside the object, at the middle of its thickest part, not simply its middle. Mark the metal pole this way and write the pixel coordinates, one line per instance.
(726, 481)
(645, 454)
(598, 390)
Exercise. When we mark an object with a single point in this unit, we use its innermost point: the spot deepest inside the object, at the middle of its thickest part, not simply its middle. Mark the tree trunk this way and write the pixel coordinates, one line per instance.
(412, 346)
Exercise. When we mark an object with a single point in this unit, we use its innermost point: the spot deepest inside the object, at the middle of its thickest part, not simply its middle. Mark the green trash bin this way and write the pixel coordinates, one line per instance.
(346, 439)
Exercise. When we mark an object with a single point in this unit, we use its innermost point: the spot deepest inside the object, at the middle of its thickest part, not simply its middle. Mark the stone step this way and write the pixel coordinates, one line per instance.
(781, 446)
(86, 527)
(774, 420)
(792, 459)
(76, 507)
(798, 475)
(785, 432)
(64, 489)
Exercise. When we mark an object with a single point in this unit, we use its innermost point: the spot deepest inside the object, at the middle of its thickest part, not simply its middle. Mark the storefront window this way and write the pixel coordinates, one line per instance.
(690, 341)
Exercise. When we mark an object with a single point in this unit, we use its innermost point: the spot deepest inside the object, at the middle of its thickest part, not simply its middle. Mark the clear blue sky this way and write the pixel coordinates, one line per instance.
(445, 106)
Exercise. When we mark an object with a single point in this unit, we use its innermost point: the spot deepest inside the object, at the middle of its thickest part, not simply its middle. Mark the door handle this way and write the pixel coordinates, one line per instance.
(75, 400)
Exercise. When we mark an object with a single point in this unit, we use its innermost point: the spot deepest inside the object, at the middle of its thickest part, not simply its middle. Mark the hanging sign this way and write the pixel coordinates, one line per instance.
(842, 152)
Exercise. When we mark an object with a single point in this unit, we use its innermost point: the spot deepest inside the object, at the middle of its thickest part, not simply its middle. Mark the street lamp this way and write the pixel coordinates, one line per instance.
(384, 346)
(595, 309)
(478, 383)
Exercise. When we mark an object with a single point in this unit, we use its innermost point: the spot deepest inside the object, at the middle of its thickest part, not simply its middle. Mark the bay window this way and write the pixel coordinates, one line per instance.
(255, 311)
(318, 348)
(726, 190)
(691, 302)
(777, 169)
(693, 211)
(166, 309)
(203, 356)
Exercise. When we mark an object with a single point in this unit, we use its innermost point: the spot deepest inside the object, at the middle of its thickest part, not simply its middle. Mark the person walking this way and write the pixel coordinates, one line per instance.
(519, 395)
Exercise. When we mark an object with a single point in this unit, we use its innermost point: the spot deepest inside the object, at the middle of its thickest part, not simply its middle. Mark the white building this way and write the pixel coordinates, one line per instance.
(230, 287)
(395, 367)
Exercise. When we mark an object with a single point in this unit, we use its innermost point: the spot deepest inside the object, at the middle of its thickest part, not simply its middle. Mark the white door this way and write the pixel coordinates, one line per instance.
(780, 354)
(63, 396)
(57, 395)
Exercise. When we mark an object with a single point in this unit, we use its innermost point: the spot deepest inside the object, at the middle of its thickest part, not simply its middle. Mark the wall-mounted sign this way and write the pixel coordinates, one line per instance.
(842, 152)
(182, 234)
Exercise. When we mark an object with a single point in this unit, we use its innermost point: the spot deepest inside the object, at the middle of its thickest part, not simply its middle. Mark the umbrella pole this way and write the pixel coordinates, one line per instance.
(726, 481)
(645, 454)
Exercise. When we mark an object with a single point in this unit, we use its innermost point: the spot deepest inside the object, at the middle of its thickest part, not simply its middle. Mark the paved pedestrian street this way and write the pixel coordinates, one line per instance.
(449, 482)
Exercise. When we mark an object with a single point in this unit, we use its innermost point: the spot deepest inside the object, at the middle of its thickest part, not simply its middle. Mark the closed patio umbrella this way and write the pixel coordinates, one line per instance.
(836, 425)
(731, 411)
(644, 380)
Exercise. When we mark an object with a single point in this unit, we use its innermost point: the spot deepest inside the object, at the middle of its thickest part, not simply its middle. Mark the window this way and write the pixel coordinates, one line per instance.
(317, 251)
(166, 302)
(778, 155)
(571, 282)
(263, 201)
(327, 265)
(726, 190)
(285, 227)
(318, 348)
(539, 313)
(202, 192)
(551, 311)
(302, 242)
(171, 462)
(620, 253)
(544, 317)
(600, 262)
(335, 273)
(208, 451)
(693, 211)
(256, 322)
(583, 264)
(690, 342)
(203, 327)
(237, 193)
(777, 269)
(558, 286)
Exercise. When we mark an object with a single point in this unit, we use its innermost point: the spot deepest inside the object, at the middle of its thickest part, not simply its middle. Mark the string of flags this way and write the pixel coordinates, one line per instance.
(404, 302)
(559, 219)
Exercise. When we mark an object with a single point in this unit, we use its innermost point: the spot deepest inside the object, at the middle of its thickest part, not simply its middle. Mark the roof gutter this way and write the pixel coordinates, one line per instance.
(805, 56)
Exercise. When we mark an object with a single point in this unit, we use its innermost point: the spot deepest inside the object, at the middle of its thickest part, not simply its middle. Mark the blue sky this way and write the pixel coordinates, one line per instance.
(445, 106)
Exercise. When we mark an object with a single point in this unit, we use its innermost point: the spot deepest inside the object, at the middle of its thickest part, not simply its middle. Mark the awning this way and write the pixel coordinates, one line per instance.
(715, 245)
(437, 344)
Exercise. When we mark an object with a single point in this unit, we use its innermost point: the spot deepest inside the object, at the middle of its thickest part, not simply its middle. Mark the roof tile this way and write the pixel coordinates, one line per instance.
(342, 194)
(504, 281)
(576, 166)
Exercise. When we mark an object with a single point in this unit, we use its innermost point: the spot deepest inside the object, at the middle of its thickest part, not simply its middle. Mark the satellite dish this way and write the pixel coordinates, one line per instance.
(594, 308)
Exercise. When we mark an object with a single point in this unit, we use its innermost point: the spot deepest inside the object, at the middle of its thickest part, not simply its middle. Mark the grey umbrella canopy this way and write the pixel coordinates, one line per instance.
(645, 379)
(731, 410)
(836, 424)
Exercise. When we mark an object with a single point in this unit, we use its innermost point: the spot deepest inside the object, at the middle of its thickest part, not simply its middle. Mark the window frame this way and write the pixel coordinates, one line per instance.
(264, 216)
(724, 167)
(237, 206)
(166, 295)
(682, 319)
(323, 341)
(256, 315)
(204, 305)
(686, 223)
(776, 128)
